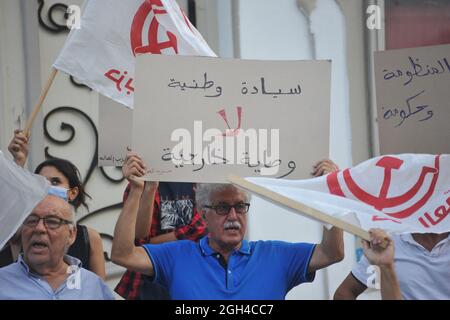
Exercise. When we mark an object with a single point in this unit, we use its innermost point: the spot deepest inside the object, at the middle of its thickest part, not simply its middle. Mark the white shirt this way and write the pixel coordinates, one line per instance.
(423, 275)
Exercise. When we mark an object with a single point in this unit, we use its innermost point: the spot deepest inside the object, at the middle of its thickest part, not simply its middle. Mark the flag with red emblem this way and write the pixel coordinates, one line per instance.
(399, 193)
(101, 53)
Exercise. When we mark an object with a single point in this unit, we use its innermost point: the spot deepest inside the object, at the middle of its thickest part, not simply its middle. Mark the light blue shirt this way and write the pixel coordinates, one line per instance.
(17, 282)
(422, 274)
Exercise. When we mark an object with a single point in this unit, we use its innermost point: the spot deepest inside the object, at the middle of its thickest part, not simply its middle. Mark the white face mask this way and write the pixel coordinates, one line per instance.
(59, 192)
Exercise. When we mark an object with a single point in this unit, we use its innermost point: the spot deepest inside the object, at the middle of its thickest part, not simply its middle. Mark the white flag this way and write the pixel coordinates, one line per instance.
(20, 192)
(399, 193)
(101, 53)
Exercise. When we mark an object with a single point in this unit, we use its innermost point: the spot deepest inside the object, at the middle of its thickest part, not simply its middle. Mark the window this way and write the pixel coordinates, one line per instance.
(416, 23)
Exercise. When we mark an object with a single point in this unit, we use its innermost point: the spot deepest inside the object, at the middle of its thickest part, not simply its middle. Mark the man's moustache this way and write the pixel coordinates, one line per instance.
(232, 225)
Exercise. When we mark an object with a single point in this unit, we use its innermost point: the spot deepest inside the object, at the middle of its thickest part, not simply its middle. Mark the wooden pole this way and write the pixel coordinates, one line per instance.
(38, 105)
(300, 207)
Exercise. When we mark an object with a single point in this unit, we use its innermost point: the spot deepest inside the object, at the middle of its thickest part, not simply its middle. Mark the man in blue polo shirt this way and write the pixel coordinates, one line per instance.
(222, 265)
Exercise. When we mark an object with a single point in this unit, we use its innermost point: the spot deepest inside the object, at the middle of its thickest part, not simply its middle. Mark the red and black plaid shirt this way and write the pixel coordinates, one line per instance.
(128, 287)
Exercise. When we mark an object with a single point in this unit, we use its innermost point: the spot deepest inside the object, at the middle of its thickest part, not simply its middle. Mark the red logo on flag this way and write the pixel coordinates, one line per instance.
(382, 201)
(137, 33)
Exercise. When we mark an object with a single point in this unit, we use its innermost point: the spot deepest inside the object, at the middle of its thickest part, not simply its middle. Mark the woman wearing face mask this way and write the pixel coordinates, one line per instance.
(88, 246)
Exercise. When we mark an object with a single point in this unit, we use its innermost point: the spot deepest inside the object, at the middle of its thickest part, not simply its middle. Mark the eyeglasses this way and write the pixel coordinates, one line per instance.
(50, 222)
(223, 209)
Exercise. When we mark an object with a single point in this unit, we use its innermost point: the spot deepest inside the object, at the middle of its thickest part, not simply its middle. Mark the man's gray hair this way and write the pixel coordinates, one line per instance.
(72, 225)
(72, 217)
(203, 192)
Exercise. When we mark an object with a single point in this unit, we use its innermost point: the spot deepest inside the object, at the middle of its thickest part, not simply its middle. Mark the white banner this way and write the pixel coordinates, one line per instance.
(101, 53)
(399, 193)
(20, 192)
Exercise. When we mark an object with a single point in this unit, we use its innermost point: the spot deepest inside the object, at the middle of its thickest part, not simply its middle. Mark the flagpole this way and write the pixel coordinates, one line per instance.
(38, 105)
(311, 212)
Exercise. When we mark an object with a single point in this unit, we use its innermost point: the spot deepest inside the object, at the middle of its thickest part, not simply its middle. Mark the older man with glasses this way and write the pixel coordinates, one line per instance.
(223, 265)
(44, 270)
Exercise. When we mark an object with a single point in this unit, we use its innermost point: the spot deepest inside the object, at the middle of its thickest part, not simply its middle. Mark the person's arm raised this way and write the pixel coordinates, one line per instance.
(145, 211)
(19, 148)
(96, 254)
(380, 251)
(331, 249)
(124, 252)
(324, 167)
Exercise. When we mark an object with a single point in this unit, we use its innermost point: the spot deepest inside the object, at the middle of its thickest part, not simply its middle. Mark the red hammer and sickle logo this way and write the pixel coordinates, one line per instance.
(137, 26)
(382, 201)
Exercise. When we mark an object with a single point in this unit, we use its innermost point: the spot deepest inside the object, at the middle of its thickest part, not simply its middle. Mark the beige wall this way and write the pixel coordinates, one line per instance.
(354, 11)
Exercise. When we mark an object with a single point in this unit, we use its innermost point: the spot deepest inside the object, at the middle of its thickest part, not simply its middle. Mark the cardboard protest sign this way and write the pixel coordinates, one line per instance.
(199, 119)
(114, 134)
(413, 100)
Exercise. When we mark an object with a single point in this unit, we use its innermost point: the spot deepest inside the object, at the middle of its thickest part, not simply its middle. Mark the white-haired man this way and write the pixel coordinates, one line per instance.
(222, 265)
(44, 271)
